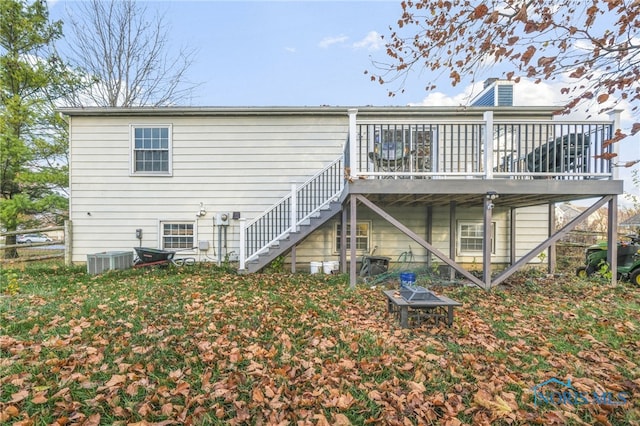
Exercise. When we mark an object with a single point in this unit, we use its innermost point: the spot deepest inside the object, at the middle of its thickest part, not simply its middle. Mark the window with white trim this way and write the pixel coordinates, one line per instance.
(151, 150)
(177, 235)
(363, 236)
(471, 238)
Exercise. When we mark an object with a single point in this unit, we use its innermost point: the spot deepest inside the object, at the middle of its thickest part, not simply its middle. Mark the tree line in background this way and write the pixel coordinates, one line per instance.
(117, 56)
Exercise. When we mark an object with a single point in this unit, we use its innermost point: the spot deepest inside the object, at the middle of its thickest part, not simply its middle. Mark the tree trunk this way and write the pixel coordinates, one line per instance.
(10, 253)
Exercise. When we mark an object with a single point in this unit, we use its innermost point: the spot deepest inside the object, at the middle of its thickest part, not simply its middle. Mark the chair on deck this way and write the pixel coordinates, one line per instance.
(567, 153)
(390, 156)
(399, 157)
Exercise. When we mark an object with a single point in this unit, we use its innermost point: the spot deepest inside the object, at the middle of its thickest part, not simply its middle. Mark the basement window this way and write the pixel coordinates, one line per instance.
(177, 235)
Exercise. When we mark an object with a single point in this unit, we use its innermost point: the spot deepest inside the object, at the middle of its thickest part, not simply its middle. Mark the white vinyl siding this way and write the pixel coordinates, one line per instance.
(228, 163)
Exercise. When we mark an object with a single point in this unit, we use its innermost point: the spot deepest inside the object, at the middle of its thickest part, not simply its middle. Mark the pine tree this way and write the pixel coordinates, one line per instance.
(33, 141)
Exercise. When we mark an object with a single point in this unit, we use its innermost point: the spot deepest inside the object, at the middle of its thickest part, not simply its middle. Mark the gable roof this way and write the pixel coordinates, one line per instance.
(632, 221)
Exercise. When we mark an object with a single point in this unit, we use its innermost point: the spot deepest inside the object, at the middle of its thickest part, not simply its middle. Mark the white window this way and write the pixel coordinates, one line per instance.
(151, 150)
(177, 235)
(470, 237)
(363, 237)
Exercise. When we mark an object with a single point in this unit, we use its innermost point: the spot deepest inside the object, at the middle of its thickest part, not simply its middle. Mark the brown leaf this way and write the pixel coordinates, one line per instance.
(322, 420)
(167, 409)
(480, 11)
(257, 395)
(115, 380)
(39, 399)
(93, 420)
(19, 396)
(341, 420)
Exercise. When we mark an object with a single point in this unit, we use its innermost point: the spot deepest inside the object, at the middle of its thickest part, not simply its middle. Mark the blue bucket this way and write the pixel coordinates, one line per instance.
(407, 279)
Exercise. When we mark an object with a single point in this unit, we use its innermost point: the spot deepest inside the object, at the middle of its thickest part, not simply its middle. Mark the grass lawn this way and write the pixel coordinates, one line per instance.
(203, 346)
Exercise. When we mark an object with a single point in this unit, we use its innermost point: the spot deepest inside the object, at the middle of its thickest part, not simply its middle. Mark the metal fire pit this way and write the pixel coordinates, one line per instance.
(414, 293)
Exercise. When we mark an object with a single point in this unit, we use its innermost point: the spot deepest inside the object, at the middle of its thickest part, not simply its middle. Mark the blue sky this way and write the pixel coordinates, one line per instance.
(307, 53)
(267, 53)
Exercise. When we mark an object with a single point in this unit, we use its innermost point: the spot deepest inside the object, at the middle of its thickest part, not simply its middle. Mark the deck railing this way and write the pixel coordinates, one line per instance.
(284, 217)
(484, 149)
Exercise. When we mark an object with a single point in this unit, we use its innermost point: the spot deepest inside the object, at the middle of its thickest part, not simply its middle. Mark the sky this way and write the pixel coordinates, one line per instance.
(310, 53)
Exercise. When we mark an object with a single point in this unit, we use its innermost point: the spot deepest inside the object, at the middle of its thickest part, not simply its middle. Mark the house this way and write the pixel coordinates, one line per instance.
(631, 224)
(248, 184)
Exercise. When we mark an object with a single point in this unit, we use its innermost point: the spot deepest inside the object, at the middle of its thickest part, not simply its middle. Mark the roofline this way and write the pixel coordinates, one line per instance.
(303, 110)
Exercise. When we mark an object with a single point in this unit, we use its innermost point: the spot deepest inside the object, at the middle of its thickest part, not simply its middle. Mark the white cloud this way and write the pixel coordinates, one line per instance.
(290, 49)
(329, 41)
(372, 41)
(442, 99)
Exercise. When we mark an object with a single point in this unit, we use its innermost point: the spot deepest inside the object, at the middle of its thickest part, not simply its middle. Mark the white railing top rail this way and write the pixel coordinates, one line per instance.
(299, 188)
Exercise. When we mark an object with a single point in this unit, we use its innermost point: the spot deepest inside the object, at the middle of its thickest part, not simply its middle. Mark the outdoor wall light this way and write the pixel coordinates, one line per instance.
(202, 210)
(492, 195)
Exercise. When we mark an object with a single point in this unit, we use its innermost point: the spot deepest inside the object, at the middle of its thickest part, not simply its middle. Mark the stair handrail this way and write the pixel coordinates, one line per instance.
(286, 215)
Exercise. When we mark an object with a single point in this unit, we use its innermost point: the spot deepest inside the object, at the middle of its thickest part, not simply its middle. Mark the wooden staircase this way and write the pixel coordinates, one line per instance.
(291, 219)
(287, 241)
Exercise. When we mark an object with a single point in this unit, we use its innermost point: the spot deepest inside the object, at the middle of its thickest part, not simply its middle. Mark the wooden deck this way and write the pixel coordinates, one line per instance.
(472, 192)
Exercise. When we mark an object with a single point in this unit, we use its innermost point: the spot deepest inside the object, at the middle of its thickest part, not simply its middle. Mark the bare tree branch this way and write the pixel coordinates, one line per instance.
(126, 56)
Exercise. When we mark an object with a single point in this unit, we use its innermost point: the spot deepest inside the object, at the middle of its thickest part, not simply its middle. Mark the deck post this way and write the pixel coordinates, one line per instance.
(343, 240)
(429, 233)
(551, 261)
(241, 249)
(512, 239)
(294, 208)
(614, 116)
(353, 143)
(488, 144)
(612, 237)
(487, 238)
(353, 202)
(453, 238)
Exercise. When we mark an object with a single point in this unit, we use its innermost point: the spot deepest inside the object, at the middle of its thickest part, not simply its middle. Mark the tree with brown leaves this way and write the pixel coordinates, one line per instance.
(591, 46)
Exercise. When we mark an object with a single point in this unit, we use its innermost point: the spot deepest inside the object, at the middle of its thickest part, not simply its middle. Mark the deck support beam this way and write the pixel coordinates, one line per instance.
(551, 240)
(487, 240)
(353, 275)
(612, 237)
(453, 238)
(551, 260)
(418, 239)
(343, 240)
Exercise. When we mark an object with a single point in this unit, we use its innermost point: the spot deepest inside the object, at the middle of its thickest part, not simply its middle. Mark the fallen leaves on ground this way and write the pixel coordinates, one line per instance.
(200, 346)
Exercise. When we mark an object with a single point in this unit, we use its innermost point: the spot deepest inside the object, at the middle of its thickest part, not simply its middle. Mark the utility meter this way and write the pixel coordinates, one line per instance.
(222, 219)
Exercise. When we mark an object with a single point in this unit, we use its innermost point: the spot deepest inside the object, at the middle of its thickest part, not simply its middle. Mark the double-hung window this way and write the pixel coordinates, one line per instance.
(470, 237)
(177, 235)
(363, 236)
(151, 150)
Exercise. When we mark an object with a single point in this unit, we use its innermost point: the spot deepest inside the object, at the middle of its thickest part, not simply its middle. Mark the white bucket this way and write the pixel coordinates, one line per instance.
(315, 267)
(330, 266)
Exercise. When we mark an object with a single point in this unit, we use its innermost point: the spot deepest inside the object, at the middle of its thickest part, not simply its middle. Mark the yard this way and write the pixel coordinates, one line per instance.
(203, 346)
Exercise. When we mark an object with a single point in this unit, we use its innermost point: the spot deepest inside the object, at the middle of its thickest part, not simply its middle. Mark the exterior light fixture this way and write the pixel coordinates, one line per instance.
(202, 210)
(491, 196)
